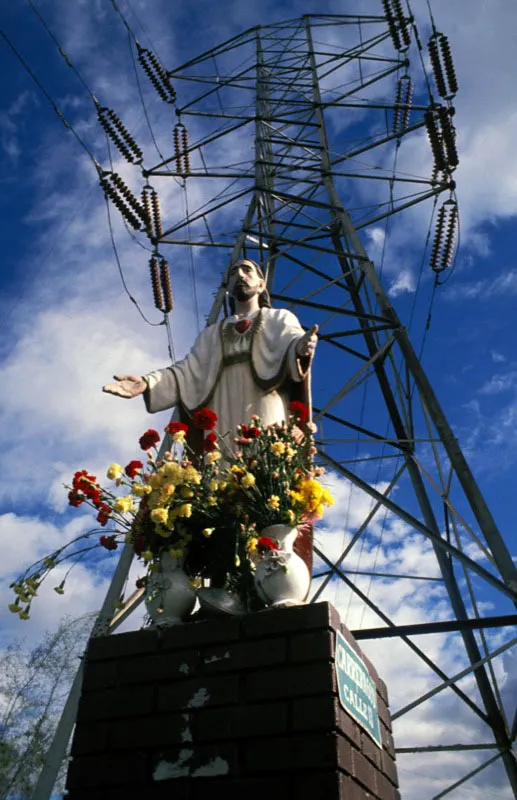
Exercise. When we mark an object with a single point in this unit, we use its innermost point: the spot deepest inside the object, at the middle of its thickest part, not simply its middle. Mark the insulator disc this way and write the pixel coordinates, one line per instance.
(166, 286)
(449, 66)
(155, 283)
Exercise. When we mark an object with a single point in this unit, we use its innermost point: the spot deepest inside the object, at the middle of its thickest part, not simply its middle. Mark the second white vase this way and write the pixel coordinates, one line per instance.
(169, 597)
(282, 577)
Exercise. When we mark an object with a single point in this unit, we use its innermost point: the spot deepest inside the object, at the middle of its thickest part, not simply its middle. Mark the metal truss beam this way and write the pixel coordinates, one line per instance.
(447, 626)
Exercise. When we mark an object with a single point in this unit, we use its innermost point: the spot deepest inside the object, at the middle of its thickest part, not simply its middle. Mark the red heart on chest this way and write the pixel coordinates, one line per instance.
(242, 325)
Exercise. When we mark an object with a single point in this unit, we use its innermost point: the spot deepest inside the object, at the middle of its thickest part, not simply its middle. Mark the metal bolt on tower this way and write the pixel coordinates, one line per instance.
(290, 147)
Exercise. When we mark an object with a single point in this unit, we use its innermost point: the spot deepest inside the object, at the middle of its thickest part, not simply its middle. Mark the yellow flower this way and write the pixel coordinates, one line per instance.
(147, 489)
(290, 517)
(179, 437)
(114, 471)
(211, 500)
(326, 498)
(310, 487)
(290, 453)
(14, 608)
(187, 493)
(212, 457)
(309, 494)
(123, 504)
(172, 471)
(278, 448)
(208, 532)
(168, 489)
(248, 480)
(252, 544)
(274, 502)
(192, 475)
(213, 486)
(156, 480)
(139, 489)
(159, 515)
(185, 510)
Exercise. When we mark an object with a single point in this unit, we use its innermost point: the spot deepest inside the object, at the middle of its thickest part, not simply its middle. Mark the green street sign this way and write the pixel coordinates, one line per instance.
(357, 692)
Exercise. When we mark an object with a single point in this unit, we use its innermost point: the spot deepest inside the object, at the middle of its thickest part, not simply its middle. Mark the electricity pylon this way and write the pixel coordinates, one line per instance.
(288, 137)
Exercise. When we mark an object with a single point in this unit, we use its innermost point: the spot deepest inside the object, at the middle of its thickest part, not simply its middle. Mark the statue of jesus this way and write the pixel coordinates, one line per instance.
(255, 361)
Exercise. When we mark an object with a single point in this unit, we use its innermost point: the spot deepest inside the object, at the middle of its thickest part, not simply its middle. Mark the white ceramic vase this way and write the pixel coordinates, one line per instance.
(282, 577)
(169, 598)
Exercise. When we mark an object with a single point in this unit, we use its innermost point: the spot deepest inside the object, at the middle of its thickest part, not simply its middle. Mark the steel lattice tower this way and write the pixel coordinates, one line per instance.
(294, 131)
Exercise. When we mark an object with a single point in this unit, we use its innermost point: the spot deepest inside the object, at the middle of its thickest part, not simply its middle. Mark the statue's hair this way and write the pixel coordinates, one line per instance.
(264, 298)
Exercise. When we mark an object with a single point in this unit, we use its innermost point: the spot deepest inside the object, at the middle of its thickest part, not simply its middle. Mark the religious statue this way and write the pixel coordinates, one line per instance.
(255, 361)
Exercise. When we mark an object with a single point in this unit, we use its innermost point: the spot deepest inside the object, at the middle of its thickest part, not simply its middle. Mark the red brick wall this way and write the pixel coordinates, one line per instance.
(246, 707)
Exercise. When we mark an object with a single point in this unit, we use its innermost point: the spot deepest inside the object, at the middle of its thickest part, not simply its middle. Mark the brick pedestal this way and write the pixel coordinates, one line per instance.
(246, 709)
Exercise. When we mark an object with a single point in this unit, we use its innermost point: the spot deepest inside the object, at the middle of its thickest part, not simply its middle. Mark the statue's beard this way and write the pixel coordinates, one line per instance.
(243, 292)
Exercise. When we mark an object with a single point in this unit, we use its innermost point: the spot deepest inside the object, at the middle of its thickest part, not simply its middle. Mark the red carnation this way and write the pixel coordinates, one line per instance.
(265, 543)
(149, 439)
(132, 468)
(254, 432)
(209, 444)
(299, 410)
(176, 427)
(103, 515)
(75, 499)
(82, 480)
(95, 497)
(205, 419)
(109, 542)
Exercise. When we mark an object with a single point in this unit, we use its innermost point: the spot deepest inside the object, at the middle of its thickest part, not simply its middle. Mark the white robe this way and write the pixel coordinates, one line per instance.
(236, 375)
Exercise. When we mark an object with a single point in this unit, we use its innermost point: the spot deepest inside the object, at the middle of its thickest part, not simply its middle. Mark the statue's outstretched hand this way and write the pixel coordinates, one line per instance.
(306, 344)
(126, 386)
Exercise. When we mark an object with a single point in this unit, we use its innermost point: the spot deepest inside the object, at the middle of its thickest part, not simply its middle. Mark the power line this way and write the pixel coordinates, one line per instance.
(121, 273)
(69, 63)
(54, 105)
(61, 51)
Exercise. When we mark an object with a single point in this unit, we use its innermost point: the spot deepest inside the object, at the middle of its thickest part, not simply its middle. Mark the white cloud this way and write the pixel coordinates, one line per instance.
(484, 289)
(405, 282)
(499, 383)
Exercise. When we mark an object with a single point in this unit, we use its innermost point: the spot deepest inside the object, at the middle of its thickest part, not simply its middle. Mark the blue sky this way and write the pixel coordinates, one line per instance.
(67, 325)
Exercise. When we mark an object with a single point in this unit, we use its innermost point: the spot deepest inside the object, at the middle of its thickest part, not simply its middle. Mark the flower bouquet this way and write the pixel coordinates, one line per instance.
(208, 512)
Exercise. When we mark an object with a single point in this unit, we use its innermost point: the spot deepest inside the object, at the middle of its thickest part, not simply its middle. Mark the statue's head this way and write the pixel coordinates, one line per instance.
(245, 280)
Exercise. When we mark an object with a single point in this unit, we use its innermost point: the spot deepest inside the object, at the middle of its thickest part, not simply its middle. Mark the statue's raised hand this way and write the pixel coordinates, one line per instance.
(126, 386)
(306, 344)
